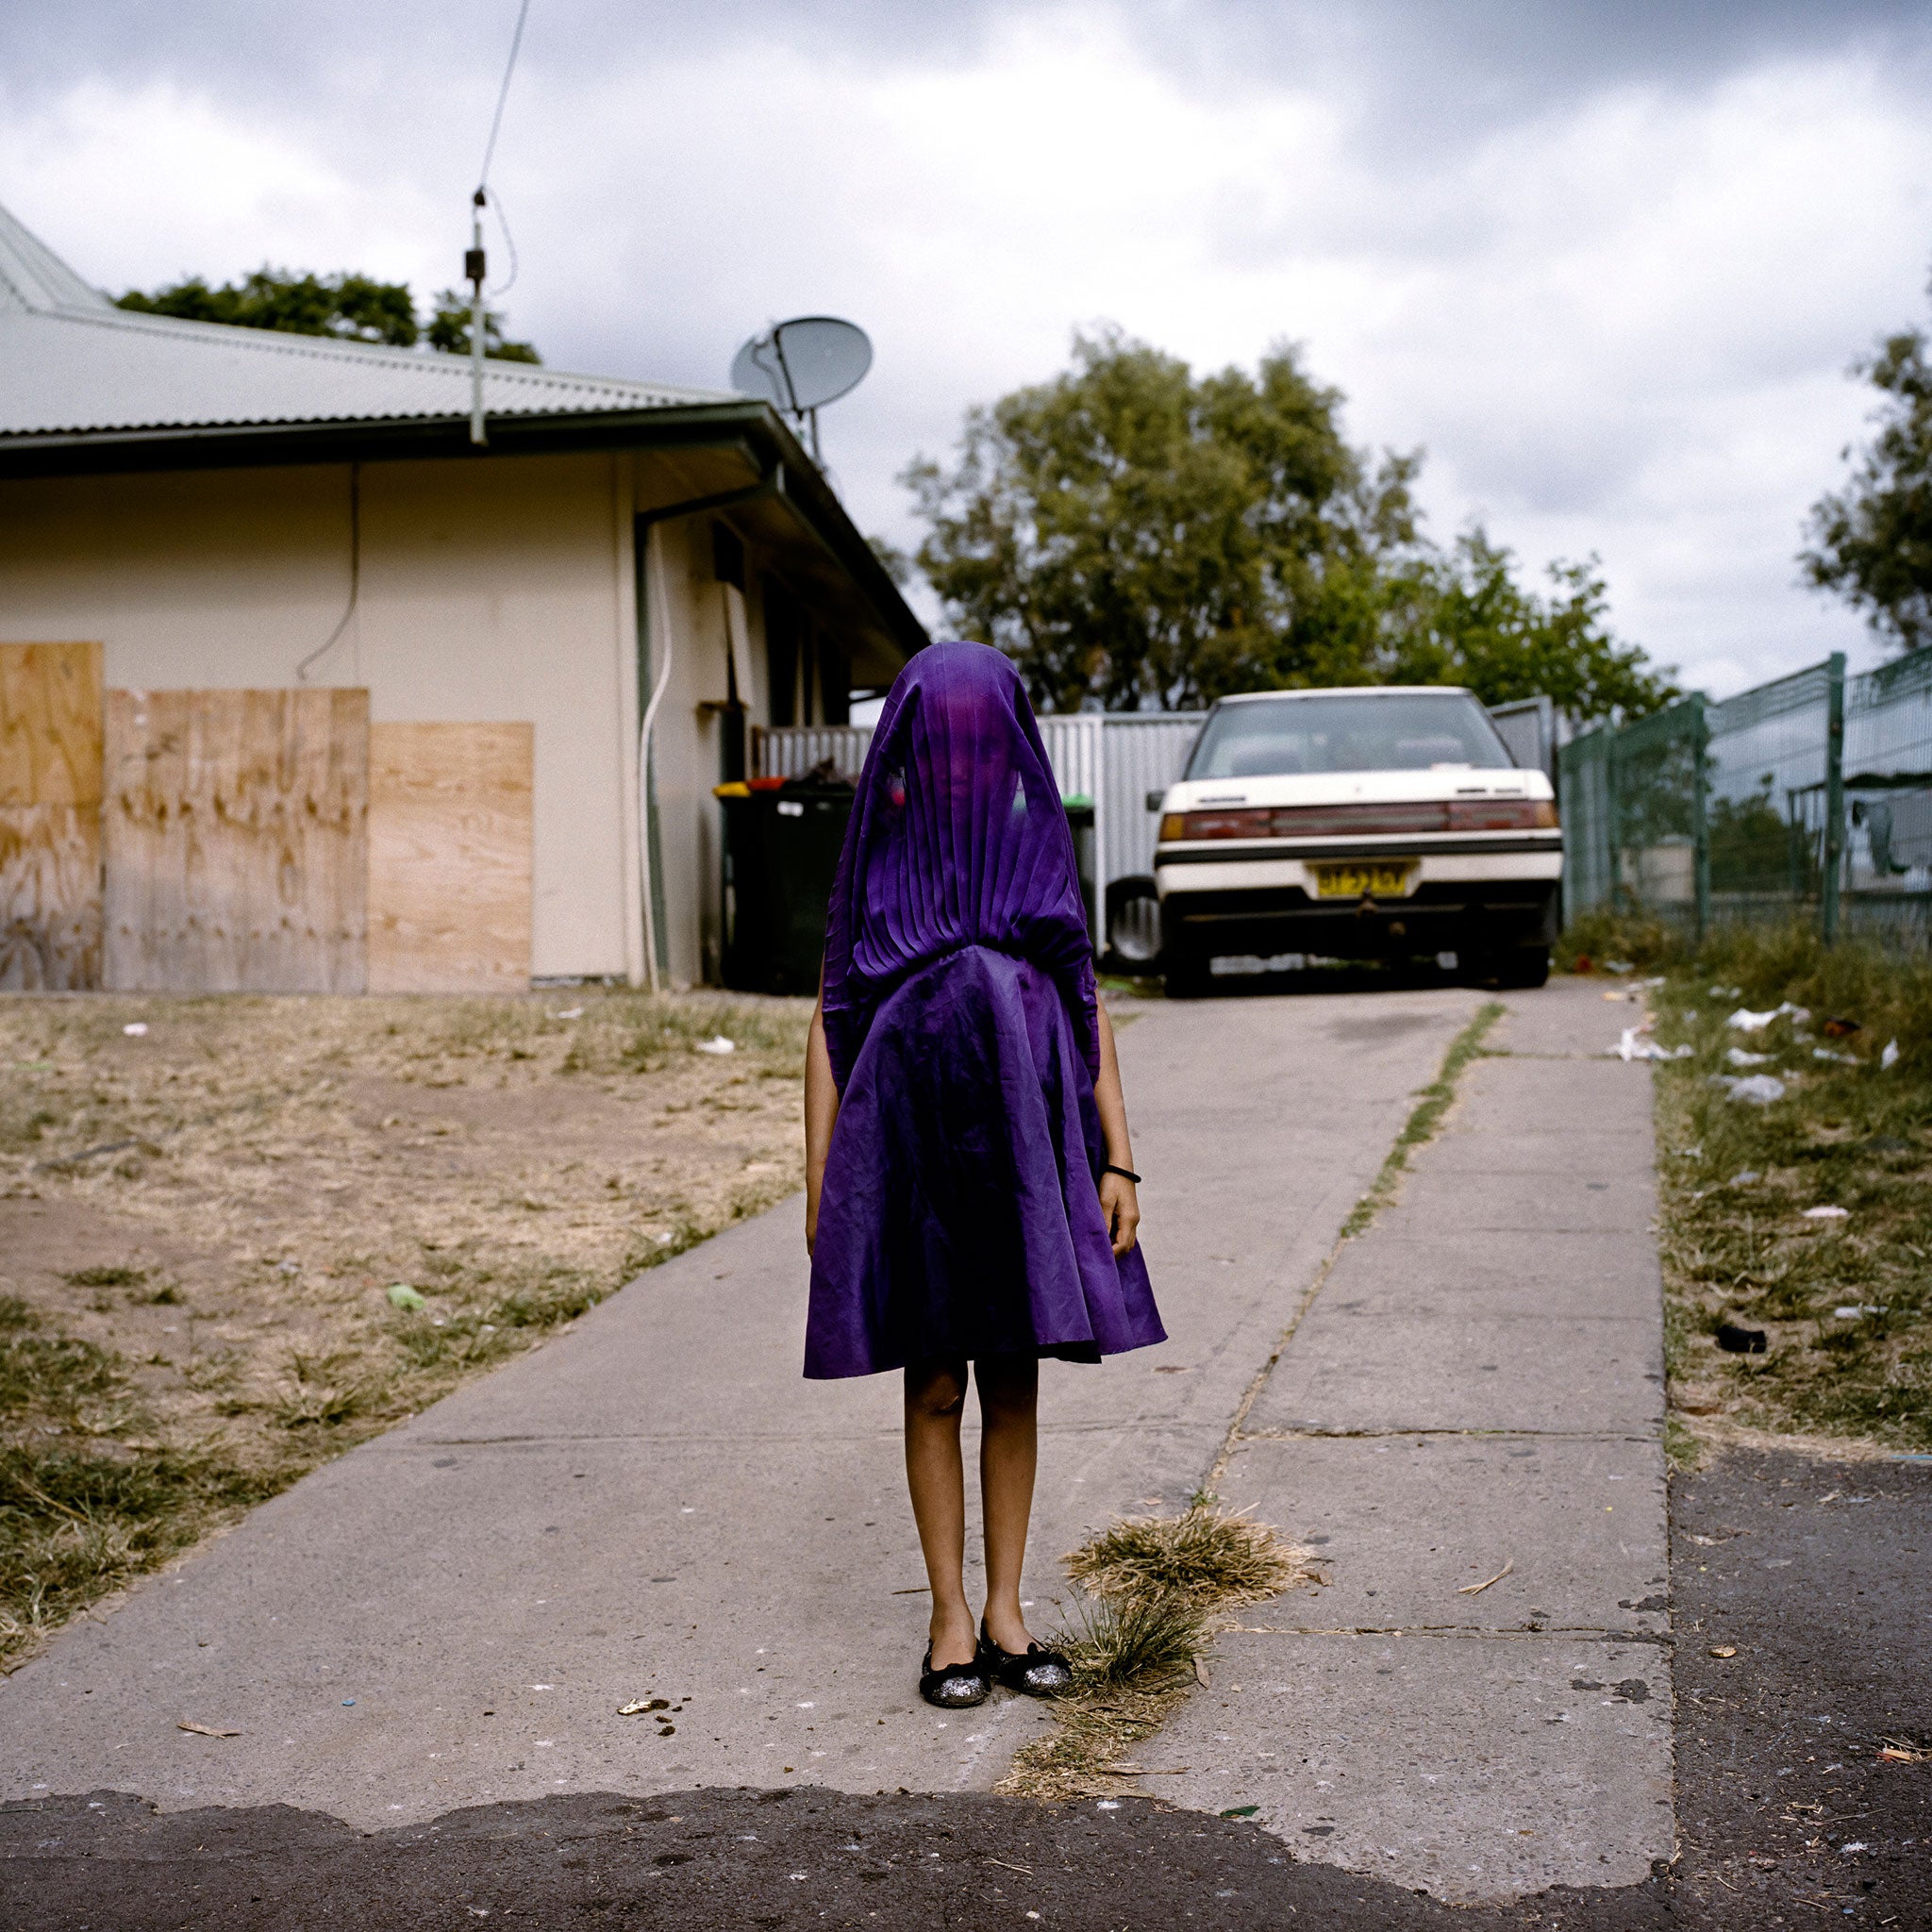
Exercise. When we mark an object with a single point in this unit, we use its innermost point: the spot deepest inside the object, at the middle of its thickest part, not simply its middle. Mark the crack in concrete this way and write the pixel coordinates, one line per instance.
(1320, 1435)
(1593, 1633)
(1457, 1058)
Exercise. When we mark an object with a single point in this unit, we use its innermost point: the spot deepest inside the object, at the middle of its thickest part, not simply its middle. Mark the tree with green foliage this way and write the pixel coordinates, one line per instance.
(448, 328)
(1871, 541)
(1132, 534)
(351, 307)
(1469, 622)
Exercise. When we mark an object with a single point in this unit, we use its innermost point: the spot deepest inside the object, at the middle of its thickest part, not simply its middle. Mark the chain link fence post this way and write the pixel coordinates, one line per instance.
(1833, 797)
(1700, 816)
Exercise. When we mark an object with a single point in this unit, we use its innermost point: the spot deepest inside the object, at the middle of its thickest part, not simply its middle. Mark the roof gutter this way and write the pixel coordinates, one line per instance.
(752, 427)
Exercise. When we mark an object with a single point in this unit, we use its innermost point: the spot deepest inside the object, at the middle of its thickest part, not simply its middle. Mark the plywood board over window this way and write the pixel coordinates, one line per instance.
(50, 833)
(449, 858)
(235, 832)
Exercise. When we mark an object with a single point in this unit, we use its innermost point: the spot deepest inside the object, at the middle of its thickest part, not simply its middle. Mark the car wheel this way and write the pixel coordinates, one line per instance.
(1133, 925)
(1184, 962)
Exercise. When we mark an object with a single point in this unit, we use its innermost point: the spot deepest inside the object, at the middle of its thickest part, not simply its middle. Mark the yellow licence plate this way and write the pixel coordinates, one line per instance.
(1384, 881)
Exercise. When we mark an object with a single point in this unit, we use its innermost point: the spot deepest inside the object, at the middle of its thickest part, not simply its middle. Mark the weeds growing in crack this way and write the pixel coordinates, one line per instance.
(1420, 1128)
(1157, 1587)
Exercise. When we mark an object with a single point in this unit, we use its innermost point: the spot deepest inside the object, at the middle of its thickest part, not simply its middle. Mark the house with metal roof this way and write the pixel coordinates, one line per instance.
(233, 509)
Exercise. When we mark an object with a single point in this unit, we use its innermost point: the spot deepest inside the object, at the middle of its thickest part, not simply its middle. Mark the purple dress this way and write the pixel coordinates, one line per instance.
(960, 1215)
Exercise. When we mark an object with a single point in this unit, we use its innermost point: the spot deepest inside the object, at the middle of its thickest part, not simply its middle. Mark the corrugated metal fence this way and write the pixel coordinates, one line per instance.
(1108, 760)
(1808, 797)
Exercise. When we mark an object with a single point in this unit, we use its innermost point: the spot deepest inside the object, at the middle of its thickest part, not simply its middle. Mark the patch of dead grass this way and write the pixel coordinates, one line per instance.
(211, 1214)
(1844, 1303)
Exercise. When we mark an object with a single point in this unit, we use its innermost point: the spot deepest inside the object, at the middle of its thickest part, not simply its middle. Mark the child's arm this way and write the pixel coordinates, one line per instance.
(1118, 1200)
(821, 1111)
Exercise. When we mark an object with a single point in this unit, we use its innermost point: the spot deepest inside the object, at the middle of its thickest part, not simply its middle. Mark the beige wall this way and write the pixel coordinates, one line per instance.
(501, 589)
(497, 590)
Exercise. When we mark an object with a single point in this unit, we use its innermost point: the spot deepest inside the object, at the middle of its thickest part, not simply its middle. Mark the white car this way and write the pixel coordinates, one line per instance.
(1371, 823)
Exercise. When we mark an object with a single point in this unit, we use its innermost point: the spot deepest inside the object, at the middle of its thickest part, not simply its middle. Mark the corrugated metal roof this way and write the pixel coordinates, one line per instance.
(70, 362)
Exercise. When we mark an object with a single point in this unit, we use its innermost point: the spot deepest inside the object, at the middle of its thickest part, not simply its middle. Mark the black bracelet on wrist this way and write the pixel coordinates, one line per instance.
(1127, 1174)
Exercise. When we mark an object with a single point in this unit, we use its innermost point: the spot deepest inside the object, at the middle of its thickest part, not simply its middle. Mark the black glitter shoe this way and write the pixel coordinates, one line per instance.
(1037, 1673)
(957, 1687)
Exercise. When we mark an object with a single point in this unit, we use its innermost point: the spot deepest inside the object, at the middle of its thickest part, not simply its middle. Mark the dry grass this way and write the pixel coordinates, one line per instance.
(1736, 1181)
(199, 1226)
(1158, 1588)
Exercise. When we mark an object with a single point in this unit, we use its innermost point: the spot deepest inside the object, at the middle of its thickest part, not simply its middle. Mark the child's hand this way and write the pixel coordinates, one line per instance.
(1121, 1207)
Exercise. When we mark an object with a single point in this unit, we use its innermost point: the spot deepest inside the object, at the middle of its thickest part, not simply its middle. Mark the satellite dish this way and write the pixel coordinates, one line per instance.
(803, 364)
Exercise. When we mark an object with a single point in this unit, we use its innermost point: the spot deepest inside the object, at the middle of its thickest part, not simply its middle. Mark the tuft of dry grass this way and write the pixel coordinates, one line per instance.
(1157, 1589)
(1205, 1555)
(200, 1224)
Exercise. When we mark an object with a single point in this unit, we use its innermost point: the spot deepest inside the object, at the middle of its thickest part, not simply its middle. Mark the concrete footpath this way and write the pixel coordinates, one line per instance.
(1474, 1393)
(655, 1505)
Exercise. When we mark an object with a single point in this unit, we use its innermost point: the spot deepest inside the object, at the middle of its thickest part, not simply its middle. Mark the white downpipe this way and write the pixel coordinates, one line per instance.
(654, 608)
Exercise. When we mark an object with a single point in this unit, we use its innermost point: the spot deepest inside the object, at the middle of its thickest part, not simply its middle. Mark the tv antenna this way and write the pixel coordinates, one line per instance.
(803, 364)
(475, 264)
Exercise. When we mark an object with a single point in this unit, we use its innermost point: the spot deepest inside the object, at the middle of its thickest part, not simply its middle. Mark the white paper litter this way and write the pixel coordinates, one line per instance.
(718, 1043)
(1888, 1059)
(1857, 1312)
(1631, 1048)
(1745, 1021)
(1758, 1090)
(1824, 1053)
(1744, 1176)
(1827, 1214)
(135, 1028)
(1738, 1058)
(569, 1013)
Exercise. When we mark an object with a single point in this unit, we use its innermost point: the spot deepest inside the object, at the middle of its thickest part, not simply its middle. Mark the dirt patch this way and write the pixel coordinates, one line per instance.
(225, 1199)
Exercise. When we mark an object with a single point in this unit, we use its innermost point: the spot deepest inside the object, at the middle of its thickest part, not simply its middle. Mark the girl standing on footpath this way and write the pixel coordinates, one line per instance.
(969, 1177)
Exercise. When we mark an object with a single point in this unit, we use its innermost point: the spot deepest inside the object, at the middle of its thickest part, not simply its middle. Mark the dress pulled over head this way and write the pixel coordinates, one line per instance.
(957, 839)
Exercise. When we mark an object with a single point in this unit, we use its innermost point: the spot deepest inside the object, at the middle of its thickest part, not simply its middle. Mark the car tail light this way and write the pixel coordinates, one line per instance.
(1257, 822)
(1361, 820)
(1501, 815)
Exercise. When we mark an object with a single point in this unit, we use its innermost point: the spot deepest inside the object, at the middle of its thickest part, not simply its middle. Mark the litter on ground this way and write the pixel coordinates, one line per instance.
(1744, 1176)
(1824, 1053)
(1735, 1341)
(1745, 1021)
(1509, 1569)
(401, 1295)
(717, 1044)
(1738, 1058)
(1856, 1311)
(1888, 1059)
(1757, 1089)
(135, 1028)
(1827, 1213)
(1631, 1048)
(204, 1730)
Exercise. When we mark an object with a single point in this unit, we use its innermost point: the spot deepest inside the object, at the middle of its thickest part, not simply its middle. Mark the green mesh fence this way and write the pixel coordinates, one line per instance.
(1810, 797)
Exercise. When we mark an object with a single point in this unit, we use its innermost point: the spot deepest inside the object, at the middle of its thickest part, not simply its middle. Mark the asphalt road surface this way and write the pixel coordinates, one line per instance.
(1786, 1814)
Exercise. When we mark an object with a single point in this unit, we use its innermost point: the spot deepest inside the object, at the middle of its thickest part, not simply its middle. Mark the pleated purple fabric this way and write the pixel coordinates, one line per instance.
(960, 1215)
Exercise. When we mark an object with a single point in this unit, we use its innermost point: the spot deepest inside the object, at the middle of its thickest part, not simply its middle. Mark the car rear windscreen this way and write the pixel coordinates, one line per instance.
(1402, 731)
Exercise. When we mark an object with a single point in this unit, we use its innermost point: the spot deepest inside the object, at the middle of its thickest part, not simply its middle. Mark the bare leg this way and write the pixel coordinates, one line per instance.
(1008, 1455)
(935, 1399)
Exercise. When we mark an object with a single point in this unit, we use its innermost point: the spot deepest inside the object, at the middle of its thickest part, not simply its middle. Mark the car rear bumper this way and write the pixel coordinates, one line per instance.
(1467, 917)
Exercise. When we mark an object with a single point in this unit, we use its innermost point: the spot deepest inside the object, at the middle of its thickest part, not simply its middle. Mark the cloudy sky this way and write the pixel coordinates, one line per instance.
(1607, 260)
